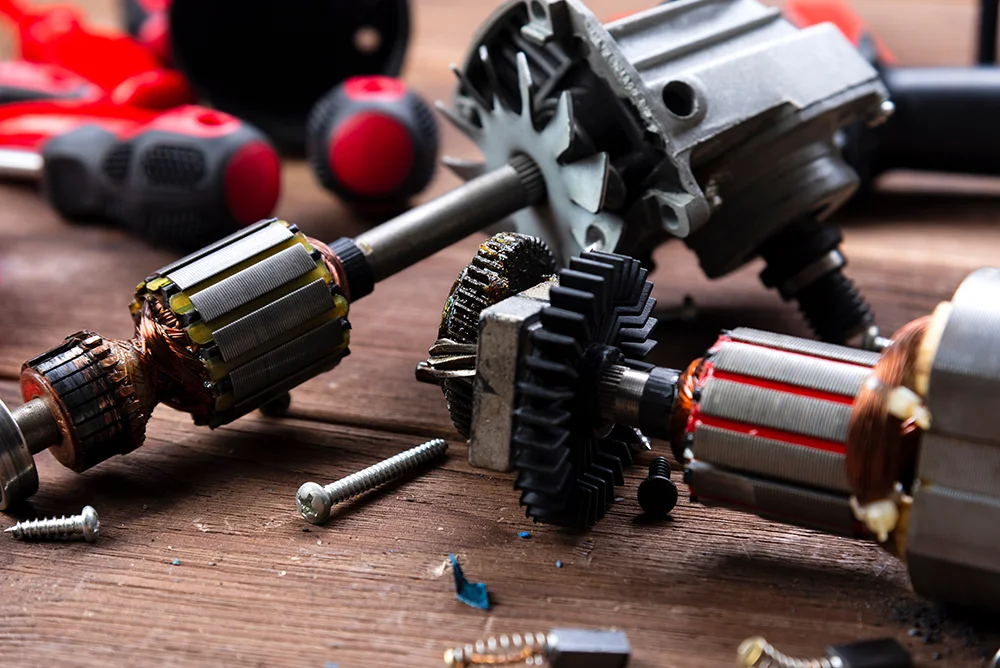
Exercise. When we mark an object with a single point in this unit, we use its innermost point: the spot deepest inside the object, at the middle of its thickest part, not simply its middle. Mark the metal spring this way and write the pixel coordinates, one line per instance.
(758, 653)
(529, 649)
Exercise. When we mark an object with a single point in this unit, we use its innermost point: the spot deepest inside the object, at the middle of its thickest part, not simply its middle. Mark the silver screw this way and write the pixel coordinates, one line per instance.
(86, 525)
(315, 501)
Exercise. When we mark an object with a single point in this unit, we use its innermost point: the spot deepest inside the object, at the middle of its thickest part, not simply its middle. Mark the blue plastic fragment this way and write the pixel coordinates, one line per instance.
(558, 564)
(524, 534)
(331, 664)
(473, 594)
(176, 562)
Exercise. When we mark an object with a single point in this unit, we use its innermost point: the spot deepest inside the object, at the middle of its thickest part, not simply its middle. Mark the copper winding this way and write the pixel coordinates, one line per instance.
(880, 446)
(178, 376)
(333, 265)
(683, 406)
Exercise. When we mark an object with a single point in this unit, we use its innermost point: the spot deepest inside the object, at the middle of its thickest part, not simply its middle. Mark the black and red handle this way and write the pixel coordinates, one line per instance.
(372, 140)
(187, 178)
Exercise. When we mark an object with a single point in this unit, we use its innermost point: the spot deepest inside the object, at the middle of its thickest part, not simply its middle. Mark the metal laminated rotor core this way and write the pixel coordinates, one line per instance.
(505, 265)
(257, 314)
(567, 463)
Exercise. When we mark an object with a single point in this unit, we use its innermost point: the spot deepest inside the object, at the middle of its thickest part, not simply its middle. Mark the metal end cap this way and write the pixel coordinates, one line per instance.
(18, 476)
(314, 503)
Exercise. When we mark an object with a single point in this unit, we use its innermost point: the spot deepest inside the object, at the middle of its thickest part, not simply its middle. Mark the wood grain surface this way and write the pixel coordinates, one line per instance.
(204, 561)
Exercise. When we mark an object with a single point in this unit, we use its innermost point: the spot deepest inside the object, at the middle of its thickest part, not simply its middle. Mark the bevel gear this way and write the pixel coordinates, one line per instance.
(599, 315)
(577, 185)
(505, 265)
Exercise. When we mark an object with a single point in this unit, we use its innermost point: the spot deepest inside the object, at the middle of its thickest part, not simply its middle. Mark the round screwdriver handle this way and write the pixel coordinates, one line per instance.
(373, 140)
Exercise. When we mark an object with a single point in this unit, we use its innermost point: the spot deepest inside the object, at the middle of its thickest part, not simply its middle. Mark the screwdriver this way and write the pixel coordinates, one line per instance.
(188, 177)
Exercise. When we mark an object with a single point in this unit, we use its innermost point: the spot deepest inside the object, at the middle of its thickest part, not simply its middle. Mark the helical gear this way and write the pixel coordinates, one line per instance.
(599, 314)
(504, 265)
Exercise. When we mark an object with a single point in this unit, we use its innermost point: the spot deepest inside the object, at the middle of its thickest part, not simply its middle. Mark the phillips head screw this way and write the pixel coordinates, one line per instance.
(86, 525)
(315, 501)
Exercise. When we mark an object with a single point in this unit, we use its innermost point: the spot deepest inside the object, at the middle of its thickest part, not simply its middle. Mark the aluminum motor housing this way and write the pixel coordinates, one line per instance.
(718, 119)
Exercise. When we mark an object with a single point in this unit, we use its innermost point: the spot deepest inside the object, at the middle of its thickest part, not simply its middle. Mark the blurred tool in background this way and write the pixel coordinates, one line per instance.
(147, 21)
(176, 181)
(945, 118)
(185, 178)
(120, 67)
(373, 142)
(269, 64)
(23, 81)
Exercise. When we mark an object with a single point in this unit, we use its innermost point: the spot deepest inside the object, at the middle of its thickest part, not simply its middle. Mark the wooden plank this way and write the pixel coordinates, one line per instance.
(252, 588)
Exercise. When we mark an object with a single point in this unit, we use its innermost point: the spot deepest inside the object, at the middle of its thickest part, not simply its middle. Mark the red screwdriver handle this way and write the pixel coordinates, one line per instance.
(186, 179)
(372, 140)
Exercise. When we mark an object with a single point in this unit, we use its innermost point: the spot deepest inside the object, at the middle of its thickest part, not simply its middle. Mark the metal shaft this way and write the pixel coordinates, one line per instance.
(315, 501)
(423, 231)
(37, 425)
(85, 526)
(20, 165)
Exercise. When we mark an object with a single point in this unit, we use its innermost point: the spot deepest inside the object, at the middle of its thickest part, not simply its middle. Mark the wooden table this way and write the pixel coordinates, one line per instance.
(203, 559)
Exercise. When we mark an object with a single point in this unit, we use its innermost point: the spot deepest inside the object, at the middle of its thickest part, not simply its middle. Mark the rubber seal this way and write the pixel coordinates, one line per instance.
(360, 279)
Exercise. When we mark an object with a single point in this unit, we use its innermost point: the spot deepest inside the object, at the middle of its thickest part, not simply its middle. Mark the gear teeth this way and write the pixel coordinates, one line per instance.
(566, 475)
(505, 265)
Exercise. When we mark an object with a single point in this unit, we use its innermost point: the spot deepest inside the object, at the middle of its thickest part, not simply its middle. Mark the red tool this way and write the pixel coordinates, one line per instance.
(186, 178)
(372, 140)
(147, 21)
(122, 68)
(27, 125)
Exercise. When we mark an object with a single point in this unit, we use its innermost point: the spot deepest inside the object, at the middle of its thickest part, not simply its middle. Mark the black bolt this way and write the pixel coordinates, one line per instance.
(657, 493)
